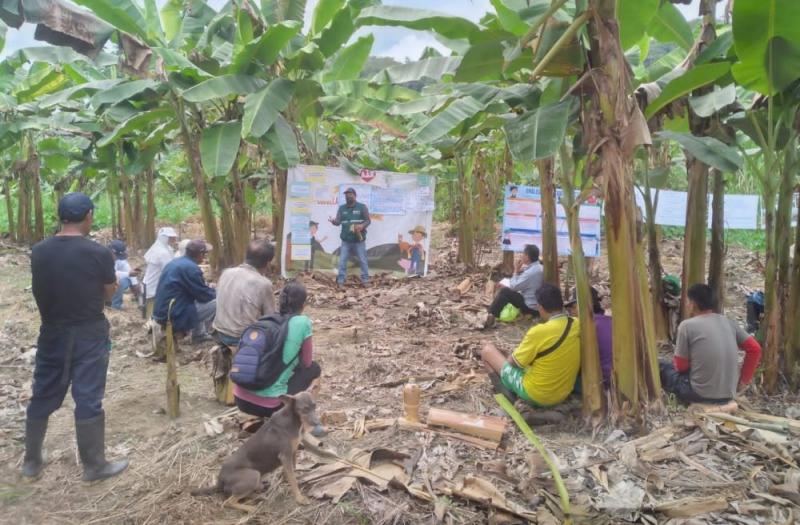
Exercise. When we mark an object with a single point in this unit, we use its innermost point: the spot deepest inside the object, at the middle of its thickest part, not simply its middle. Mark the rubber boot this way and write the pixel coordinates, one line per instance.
(35, 429)
(91, 435)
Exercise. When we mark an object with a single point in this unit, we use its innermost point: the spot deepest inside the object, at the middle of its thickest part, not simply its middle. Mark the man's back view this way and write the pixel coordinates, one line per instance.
(72, 278)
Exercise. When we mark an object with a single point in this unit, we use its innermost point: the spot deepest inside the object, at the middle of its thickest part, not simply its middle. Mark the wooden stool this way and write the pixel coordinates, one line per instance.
(223, 386)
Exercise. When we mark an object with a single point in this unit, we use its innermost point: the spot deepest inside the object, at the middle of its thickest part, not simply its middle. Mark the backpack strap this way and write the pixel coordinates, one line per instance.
(554, 347)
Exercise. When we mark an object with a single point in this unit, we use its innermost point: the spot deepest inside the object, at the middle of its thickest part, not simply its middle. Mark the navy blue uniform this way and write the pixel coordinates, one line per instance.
(181, 280)
(69, 278)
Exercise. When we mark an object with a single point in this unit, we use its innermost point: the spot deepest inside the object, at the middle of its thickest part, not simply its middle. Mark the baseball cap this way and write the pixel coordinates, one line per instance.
(119, 249)
(73, 207)
(350, 190)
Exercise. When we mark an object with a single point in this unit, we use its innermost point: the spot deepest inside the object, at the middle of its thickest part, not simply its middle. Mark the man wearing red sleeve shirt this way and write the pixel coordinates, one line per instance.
(705, 368)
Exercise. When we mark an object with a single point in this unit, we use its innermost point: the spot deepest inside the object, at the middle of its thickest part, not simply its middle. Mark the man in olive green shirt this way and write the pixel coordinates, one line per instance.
(353, 216)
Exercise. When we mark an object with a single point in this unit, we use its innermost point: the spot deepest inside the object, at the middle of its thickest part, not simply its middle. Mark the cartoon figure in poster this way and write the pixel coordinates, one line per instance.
(414, 264)
(316, 244)
(513, 192)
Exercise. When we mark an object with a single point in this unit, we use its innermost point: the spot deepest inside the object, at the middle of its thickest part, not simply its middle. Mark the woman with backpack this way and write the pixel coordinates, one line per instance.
(300, 371)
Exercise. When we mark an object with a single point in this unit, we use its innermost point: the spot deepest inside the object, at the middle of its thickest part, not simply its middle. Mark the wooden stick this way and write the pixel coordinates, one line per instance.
(173, 388)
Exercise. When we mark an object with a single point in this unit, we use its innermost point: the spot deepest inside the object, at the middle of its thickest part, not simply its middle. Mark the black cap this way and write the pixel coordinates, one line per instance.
(350, 190)
(119, 249)
(73, 207)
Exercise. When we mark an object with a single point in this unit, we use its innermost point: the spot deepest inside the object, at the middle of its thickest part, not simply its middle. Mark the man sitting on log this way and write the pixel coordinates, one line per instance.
(705, 368)
(543, 369)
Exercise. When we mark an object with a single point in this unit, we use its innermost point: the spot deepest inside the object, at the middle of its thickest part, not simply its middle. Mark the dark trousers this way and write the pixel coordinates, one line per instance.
(299, 382)
(674, 382)
(65, 356)
(508, 296)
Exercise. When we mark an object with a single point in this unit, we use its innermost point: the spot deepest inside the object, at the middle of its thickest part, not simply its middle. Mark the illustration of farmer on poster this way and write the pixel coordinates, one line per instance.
(400, 211)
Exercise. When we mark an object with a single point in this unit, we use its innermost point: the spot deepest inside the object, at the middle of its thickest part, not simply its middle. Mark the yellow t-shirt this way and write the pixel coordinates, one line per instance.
(550, 379)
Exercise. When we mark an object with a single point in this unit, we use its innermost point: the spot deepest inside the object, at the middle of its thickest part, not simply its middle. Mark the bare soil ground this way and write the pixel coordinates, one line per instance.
(369, 342)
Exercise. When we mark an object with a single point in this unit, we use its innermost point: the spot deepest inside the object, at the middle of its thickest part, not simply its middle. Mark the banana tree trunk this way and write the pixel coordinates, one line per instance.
(138, 214)
(125, 199)
(12, 230)
(716, 264)
(508, 178)
(771, 302)
(793, 310)
(278, 208)
(33, 169)
(655, 270)
(634, 381)
(549, 239)
(150, 219)
(191, 144)
(694, 241)
(783, 236)
(112, 202)
(466, 226)
(594, 406)
(23, 204)
(226, 222)
(694, 247)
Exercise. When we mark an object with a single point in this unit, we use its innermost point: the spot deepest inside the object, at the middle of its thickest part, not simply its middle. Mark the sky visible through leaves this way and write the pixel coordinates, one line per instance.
(398, 43)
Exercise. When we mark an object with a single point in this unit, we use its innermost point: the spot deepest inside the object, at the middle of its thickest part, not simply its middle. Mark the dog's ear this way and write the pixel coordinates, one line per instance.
(286, 399)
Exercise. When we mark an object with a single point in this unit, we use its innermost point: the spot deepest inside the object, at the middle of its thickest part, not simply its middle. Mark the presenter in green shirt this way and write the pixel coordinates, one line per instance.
(353, 216)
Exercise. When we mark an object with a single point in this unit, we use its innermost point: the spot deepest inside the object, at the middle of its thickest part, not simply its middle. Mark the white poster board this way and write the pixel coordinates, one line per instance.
(399, 204)
(522, 222)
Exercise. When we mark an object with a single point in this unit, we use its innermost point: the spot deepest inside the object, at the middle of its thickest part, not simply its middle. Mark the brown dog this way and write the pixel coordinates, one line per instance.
(272, 445)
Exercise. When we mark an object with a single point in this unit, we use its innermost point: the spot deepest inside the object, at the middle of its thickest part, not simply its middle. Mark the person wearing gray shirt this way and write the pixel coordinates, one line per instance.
(520, 290)
(705, 368)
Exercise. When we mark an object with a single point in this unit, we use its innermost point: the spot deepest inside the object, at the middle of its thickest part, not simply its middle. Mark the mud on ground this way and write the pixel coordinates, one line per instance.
(369, 341)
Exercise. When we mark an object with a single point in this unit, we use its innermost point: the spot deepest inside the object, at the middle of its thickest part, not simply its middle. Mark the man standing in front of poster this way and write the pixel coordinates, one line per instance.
(353, 216)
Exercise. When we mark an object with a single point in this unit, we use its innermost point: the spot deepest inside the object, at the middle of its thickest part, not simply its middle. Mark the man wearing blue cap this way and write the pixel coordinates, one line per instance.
(72, 279)
(353, 216)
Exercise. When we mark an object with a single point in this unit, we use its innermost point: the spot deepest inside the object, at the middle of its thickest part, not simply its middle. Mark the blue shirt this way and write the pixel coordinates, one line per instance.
(183, 281)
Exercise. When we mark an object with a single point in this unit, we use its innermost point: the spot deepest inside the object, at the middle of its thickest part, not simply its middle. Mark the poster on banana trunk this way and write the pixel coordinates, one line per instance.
(400, 207)
(522, 221)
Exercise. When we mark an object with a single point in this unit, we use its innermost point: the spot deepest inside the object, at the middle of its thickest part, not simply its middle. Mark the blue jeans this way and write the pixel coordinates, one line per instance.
(122, 285)
(359, 249)
(76, 355)
(205, 316)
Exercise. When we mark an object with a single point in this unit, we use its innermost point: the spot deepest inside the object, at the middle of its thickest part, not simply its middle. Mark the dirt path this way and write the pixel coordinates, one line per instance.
(368, 342)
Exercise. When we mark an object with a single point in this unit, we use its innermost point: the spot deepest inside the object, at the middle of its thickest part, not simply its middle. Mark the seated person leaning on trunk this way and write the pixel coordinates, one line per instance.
(521, 290)
(301, 371)
(543, 369)
(705, 368)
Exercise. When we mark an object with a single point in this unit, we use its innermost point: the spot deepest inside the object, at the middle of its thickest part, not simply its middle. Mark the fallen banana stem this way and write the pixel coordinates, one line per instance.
(526, 430)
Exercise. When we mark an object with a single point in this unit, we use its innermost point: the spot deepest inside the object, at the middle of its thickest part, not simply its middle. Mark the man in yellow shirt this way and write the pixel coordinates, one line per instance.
(543, 369)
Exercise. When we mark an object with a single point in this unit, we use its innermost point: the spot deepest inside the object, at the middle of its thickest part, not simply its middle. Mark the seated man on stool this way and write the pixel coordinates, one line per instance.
(705, 368)
(521, 289)
(543, 369)
(244, 293)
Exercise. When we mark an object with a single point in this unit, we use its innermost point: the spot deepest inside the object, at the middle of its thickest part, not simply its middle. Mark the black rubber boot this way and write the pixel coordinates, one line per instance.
(91, 435)
(500, 388)
(35, 429)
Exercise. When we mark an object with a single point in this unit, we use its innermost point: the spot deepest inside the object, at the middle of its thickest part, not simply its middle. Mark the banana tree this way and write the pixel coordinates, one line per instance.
(761, 34)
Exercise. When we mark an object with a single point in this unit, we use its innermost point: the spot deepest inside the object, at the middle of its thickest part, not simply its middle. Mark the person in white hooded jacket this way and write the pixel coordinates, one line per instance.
(160, 253)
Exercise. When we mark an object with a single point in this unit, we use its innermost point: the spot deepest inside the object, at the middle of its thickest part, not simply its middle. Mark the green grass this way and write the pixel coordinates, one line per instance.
(171, 207)
(753, 240)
